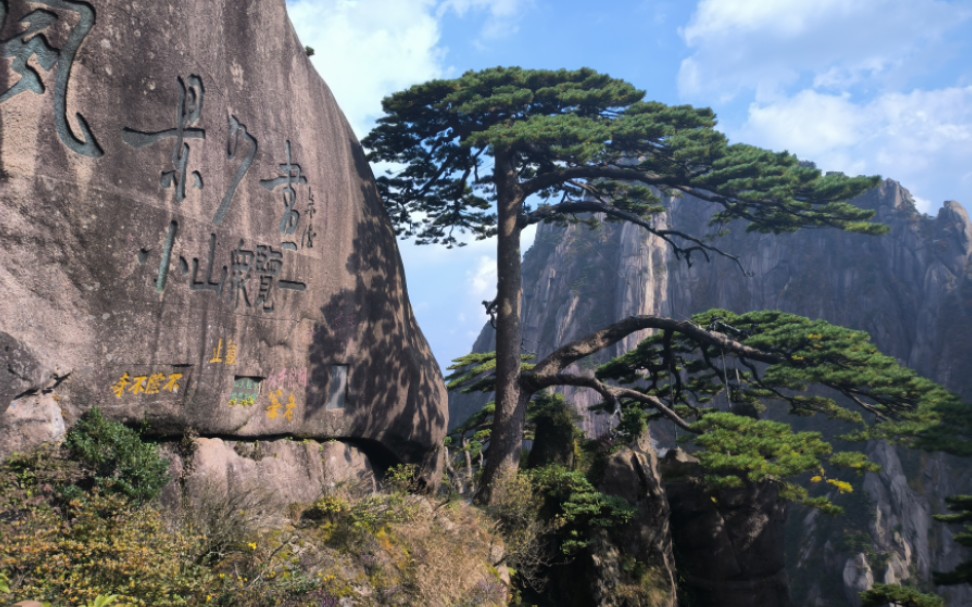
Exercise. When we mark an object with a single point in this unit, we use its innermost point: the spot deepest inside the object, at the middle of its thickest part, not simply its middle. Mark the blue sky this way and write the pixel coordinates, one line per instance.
(863, 86)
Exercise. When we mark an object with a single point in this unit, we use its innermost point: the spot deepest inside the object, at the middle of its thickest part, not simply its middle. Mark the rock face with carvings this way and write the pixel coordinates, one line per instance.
(191, 237)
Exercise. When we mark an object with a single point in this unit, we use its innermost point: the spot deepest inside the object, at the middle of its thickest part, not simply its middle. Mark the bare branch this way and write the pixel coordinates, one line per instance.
(599, 171)
(657, 403)
(863, 404)
(611, 394)
(576, 350)
(669, 236)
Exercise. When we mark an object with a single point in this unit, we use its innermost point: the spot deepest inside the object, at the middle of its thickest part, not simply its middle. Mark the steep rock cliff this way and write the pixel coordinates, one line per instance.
(192, 238)
(911, 289)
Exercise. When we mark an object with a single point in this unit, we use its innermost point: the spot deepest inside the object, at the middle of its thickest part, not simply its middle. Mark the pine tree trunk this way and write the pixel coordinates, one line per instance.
(506, 438)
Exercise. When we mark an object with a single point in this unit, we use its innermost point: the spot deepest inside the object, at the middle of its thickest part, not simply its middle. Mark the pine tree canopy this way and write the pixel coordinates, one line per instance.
(961, 507)
(891, 595)
(714, 375)
(812, 367)
(789, 355)
(577, 141)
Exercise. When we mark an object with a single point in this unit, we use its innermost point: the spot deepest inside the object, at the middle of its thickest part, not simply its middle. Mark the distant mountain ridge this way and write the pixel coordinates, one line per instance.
(911, 290)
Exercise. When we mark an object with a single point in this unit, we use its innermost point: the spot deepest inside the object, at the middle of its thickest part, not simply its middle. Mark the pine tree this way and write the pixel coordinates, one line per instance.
(961, 507)
(495, 151)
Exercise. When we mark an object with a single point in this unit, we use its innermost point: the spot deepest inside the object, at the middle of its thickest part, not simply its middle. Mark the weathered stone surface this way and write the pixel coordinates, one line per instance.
(269, 474)
(29, 421)
(729, 544)
(911, 289)
(630, 564)
(632, 474)
(191, 236)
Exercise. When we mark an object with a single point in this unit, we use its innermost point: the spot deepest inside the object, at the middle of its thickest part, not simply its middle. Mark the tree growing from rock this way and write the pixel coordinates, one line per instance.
(495, 151)
(961, 507)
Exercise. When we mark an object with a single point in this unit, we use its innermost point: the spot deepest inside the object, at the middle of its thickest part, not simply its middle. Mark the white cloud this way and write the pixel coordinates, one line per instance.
(913, 137)
(482, 279)
(837, 83)
(367, 49)
(766, 46)
(811, 124)
(502, 15)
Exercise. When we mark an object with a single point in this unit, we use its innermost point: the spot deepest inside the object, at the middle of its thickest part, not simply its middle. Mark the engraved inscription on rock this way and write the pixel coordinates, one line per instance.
(191, 235)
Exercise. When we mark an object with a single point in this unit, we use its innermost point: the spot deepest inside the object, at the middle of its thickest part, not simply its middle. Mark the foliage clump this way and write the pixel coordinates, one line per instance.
(69, 546)
(576, 507)
(735, 450)
(718, 376)
(117, 457)
(961, 507)
(889, 595)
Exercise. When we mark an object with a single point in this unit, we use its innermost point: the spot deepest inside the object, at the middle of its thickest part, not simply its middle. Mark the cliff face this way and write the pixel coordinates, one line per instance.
(192, 238)
(911, 290)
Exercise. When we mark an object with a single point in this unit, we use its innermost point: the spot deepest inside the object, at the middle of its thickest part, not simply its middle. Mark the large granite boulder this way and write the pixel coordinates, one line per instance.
(191, 237)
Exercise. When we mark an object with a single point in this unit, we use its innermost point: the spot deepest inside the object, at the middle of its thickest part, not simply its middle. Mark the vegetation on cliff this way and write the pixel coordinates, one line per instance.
(715, 375)
(961, 507)
(77, 530)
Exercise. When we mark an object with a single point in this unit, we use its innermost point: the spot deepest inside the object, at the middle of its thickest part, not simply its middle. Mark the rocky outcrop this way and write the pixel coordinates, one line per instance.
(729, 542)
(632, 474)
(628, 563)
(191, 236)
(263, 477)
(911, 289)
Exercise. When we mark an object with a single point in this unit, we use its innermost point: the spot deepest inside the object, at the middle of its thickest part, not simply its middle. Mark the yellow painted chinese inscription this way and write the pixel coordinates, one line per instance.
(172, 385)
(138, 384)
(277, 409)
(155, 383)
(120, 385)
(273, 411)
(231, 355)
(217, 355)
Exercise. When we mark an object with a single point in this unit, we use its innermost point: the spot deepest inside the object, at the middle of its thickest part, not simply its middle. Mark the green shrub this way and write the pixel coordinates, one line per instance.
(516, 506)
(577, 507)
(900, 596)
(403, 478)
(101, 545)
(119, 459)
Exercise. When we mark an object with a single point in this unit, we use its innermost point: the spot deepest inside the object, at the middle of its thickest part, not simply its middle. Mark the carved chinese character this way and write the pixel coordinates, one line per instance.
(241, 262)
(154, 384)
(291, 408)
(268, 264)
(237, 135)
(209, 284)
(138, 384)
(189, 115)
(307, 238)
(290, 176)
(273, 411)
(217, 354)
(232, 350)
(31, 49)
